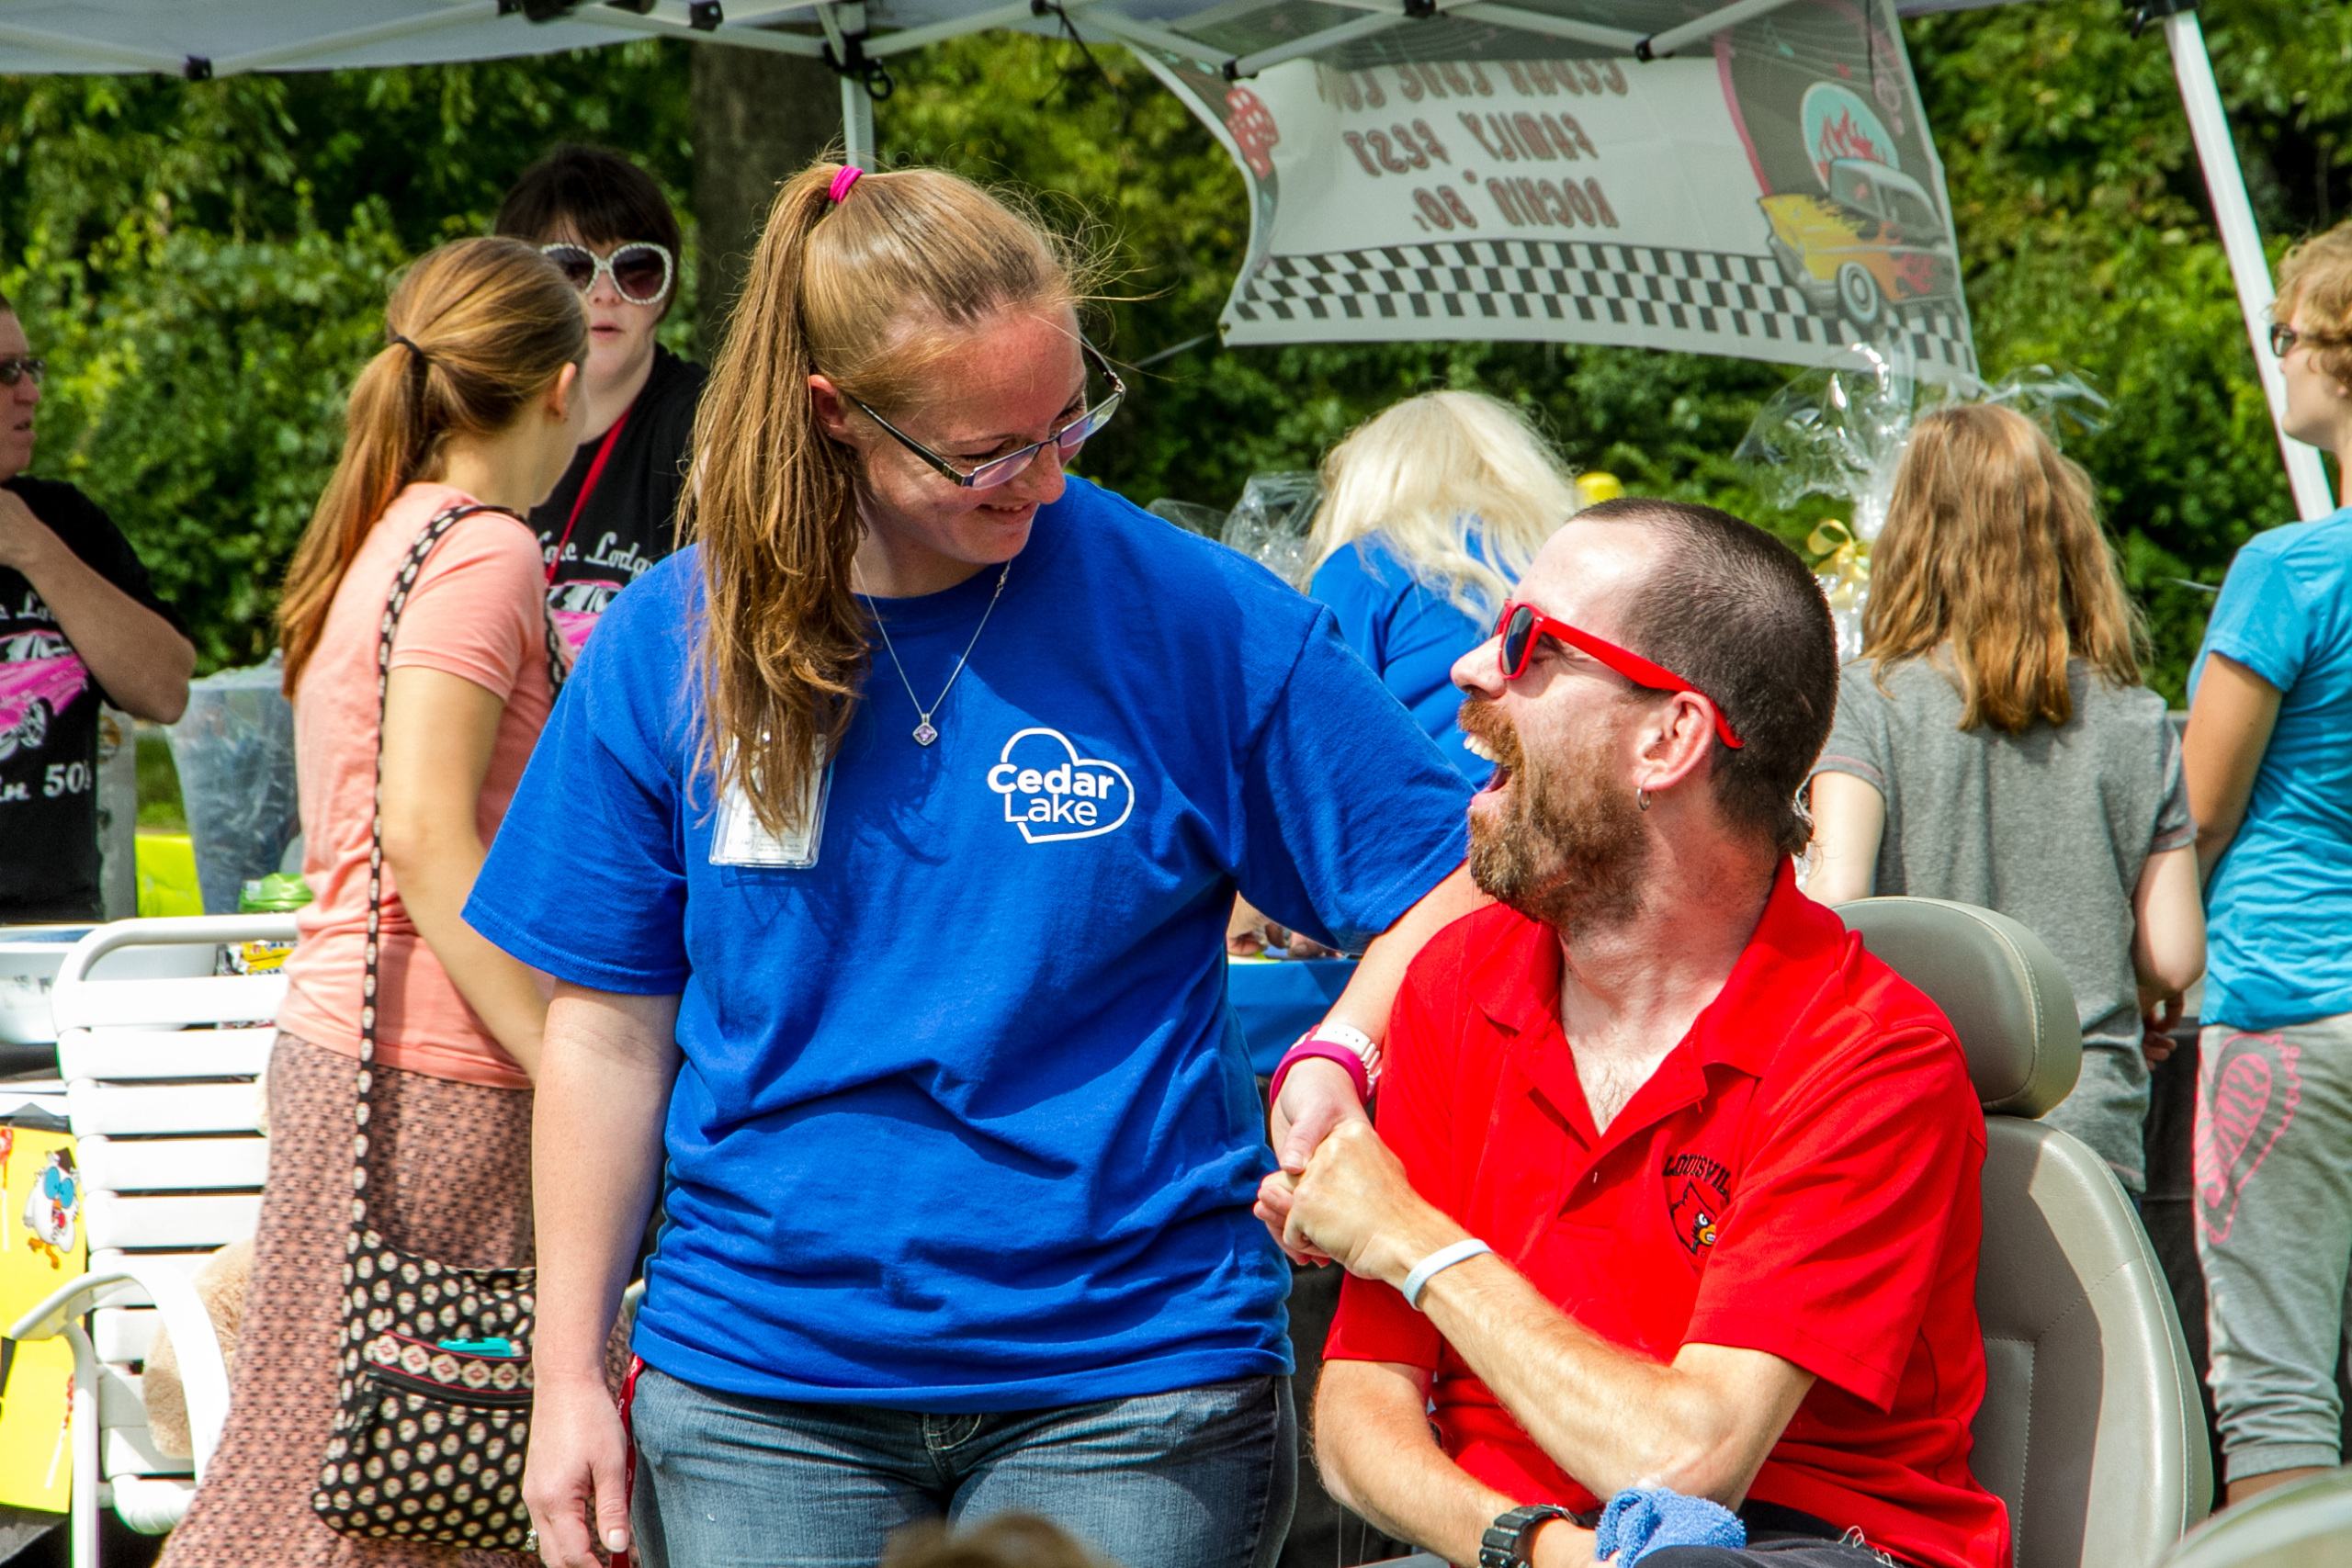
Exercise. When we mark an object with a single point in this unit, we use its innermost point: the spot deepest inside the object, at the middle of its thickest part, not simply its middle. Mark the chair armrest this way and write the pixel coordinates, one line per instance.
(204, 1376)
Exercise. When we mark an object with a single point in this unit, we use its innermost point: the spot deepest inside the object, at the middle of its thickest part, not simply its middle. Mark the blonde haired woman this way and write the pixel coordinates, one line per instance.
(1430, 512)
(1993, 745)
(886, 908)
(473, 403)
(2269, 762)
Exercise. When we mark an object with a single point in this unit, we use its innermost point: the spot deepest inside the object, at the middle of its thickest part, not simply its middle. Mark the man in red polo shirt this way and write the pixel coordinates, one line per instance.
(1726, 1162)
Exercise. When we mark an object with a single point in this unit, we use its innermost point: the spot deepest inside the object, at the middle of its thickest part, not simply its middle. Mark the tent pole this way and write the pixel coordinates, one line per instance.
(844, 25)
(2241, 241)
(857, 124)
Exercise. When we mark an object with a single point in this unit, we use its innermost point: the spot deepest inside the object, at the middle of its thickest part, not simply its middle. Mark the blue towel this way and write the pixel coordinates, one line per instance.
(1642, 1519)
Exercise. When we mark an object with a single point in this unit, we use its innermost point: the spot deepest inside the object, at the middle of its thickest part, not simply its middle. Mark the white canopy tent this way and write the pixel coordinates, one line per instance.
(1229, 39)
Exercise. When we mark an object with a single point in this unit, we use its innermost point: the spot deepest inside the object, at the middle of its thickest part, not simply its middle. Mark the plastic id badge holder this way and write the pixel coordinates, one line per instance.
(737, 838)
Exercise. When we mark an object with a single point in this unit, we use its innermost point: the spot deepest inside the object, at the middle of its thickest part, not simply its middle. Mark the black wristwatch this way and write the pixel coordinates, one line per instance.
(1505, 1544)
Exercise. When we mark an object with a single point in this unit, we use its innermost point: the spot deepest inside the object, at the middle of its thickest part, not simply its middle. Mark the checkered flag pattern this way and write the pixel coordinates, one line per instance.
(1573, 291)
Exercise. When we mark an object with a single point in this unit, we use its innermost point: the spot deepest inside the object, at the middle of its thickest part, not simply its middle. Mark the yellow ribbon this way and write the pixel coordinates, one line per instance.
(1844, 559)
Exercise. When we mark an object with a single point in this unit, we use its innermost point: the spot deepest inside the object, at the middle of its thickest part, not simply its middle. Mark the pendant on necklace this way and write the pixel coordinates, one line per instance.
(925, 734)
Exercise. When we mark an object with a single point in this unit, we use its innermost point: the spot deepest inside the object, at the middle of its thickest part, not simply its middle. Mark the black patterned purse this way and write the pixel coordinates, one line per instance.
(436, 1361)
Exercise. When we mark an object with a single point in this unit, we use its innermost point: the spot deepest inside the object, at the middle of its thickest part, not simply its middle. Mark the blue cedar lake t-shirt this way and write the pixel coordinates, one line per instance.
(963, 1121)
(1409, 633)
(2278, 908)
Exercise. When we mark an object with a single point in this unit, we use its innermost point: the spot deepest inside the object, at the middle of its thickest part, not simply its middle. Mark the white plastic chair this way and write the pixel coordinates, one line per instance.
(160, 1093)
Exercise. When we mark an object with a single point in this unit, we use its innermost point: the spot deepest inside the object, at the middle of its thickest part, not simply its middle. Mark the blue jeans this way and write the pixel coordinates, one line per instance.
(1199, 1478)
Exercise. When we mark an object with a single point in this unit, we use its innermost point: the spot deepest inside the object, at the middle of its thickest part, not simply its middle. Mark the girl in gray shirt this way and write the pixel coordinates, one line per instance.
(1993, 745)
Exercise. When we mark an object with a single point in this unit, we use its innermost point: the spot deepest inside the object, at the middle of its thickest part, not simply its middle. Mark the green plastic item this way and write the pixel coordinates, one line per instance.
(276, 894)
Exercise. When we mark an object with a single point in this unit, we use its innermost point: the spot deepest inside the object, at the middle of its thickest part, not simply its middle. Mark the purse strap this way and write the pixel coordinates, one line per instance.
(404, 584)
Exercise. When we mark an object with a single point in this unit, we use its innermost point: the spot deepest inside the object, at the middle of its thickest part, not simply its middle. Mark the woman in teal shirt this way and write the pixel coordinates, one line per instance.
(2269, 757)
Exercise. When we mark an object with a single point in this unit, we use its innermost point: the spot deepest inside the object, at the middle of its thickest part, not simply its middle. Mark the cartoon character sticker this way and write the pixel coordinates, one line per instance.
(55, 1208)
(577, 604)
(40, 677)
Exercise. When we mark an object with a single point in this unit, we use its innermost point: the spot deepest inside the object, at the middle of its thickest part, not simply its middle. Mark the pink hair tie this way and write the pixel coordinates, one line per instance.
(851, 174)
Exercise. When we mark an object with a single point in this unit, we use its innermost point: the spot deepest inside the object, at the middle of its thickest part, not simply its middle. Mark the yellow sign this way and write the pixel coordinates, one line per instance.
(40, 1225)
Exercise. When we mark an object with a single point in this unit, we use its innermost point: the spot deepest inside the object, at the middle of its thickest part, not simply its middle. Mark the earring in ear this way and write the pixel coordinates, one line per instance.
(1642, 798)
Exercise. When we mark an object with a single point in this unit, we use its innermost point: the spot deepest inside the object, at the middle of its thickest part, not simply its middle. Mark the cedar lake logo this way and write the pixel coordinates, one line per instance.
(1051, 793)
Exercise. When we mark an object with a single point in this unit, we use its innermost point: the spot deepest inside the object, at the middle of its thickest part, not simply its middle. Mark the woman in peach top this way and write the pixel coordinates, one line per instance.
(474, 400)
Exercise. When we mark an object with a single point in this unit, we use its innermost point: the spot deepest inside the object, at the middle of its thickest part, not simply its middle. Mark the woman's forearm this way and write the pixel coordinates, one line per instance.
(596, 1156)
(439, 733)
(434, 879)
(2221, 752)
(1371, 989)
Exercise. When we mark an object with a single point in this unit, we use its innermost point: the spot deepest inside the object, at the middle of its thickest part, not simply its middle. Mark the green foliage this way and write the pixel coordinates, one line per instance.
(205, 266)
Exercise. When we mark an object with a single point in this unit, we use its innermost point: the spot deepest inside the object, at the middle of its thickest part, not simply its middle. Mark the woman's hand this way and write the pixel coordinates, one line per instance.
(1317, 1097)
(1251, 933)
(576, 1478)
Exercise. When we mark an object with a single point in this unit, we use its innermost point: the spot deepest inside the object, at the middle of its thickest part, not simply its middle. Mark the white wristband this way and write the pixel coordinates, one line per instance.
(1436, 1263)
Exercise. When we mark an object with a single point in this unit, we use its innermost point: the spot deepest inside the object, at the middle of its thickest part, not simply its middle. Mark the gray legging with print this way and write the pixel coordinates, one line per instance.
(2274, 1233)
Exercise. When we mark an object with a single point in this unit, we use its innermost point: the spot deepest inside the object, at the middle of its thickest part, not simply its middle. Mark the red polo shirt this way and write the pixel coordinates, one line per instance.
(1799, 1177)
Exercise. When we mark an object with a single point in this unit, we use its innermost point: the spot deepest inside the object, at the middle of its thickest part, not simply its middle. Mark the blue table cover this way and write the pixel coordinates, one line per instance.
(1278, 1002)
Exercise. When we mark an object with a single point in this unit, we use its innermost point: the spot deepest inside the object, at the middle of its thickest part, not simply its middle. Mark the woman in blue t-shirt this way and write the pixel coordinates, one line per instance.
(2269, 758)
(1430, 512)
(885, 907)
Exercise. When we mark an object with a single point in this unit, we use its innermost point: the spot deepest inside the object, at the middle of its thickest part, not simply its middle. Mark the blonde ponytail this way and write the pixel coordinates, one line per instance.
(475, 329)
(867, 292)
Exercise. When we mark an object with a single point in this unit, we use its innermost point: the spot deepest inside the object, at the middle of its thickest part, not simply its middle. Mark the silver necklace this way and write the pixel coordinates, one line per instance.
(925, 733)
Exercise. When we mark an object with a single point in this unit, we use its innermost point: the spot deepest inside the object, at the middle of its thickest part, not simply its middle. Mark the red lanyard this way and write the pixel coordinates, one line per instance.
(587, 489)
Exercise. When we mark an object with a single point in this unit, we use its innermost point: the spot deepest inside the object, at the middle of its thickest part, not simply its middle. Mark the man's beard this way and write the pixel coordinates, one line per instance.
(1569, 850)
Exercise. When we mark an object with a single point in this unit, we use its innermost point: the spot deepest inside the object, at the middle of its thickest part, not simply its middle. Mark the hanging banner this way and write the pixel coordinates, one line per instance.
(1774, 196)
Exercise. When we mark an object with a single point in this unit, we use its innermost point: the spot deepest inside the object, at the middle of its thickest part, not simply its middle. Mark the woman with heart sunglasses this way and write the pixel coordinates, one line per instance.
(610, 231)
(881, 852)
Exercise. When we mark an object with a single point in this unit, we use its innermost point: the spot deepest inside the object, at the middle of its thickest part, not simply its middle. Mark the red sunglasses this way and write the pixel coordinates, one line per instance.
(1521, 623)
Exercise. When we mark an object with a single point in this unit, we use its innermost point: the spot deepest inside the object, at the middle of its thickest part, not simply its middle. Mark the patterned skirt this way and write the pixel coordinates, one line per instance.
(459, 1157)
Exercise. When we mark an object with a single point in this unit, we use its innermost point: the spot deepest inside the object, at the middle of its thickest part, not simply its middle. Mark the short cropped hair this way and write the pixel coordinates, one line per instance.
(600, 195)
(2315, 277)
(1732, 611)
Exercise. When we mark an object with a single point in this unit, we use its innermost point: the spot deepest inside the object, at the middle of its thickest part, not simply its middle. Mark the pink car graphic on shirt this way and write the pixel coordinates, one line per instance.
(576, 605)
(40, 677)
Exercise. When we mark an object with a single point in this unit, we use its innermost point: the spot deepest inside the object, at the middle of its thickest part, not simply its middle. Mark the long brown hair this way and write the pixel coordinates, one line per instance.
(491, 323)
(867, 292)
(1993, 548)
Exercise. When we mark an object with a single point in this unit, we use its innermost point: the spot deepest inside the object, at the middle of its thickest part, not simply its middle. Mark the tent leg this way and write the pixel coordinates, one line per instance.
(857, 124)
(2241, 241)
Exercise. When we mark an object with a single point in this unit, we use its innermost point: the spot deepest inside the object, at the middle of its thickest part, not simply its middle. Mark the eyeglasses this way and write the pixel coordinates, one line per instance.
(1005, 469)
(1521, 624)
(2283, 339)
(640, 270)
(15, 367)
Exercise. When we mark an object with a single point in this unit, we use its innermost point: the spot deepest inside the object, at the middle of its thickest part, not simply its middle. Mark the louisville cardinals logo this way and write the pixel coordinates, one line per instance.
(1698, 1191)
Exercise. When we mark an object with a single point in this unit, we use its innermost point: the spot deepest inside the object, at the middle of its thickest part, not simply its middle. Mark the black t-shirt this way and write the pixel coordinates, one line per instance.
(631, 521)
(49, 719)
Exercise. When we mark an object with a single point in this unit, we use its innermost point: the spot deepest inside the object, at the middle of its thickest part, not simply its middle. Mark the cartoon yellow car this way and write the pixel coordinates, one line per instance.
(1874, 238)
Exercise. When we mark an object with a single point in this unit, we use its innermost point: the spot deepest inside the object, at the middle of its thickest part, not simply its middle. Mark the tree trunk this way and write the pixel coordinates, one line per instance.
(758, 119)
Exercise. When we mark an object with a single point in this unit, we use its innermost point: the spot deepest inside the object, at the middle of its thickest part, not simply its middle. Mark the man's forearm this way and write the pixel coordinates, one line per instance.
(136, 657)
(1702, 1425)
(596, 1153)
(1378, 1457)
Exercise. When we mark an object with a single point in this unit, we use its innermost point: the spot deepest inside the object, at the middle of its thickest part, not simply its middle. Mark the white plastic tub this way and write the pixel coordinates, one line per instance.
(31, 955)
